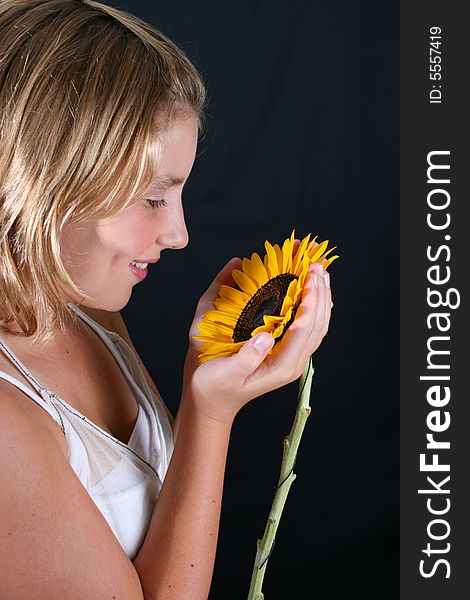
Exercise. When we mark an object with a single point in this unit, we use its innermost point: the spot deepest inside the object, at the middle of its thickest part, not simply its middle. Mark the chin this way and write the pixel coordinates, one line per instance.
(108, 304)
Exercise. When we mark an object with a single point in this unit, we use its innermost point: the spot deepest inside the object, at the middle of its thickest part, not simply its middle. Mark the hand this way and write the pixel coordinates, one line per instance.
(221, 386)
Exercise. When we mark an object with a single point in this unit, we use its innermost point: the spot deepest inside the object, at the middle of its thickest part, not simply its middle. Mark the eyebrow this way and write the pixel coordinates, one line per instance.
(166, 181)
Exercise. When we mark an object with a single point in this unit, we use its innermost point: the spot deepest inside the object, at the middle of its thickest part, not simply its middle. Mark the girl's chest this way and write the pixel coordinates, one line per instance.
(88, 378)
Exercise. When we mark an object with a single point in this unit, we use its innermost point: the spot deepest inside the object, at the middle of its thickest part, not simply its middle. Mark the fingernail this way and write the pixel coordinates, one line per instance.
(263, 343)
(327, 280)
(332, 305)
(315, 280)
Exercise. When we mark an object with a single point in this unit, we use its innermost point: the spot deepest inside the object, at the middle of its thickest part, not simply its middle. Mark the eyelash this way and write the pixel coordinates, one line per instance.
(156, 203)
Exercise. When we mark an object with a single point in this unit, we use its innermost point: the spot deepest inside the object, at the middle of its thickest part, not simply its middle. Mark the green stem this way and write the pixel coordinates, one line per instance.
(286, 478)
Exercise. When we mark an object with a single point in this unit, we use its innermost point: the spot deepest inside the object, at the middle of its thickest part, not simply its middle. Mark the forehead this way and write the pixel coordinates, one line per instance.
(165, 181)
(177, 152)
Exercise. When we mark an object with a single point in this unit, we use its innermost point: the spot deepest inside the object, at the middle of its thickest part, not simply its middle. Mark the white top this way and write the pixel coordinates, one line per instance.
(123, 480)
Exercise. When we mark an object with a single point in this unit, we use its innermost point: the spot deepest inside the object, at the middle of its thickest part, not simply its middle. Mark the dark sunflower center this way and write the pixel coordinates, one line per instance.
(267, 301)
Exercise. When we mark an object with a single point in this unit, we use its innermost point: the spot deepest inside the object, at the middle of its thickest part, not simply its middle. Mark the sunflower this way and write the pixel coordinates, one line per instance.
(265, 298)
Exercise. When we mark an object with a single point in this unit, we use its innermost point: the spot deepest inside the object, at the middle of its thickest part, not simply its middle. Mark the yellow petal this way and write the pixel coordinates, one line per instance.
(217, 316)
(287, 255)
(216, 328)
(227, 306)
(293, 285)
(278, 331)
(273, 267)
(289, 298)
(257, 270)
(329, 251)
(303, 269)
(318, 251)
(328, 262)
(287, 305)
(312, 244)
(298, 255)
(205, 355)
(208, 338)
(246, 265)
(237, 296)
(288, 315)
(216, 346)
(272, 319)
(245, 282)
(266, 265)
(269, 327)
(279, 257)
(261, 328)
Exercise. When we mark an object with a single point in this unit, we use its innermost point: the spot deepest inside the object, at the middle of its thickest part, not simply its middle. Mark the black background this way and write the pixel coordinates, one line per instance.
(302, 132)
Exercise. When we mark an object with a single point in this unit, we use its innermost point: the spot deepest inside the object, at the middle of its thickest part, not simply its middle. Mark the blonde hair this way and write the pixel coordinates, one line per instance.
(85, 90)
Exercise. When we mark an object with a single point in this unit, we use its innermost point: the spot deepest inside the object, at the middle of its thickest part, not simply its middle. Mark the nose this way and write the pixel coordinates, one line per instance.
(175, 234)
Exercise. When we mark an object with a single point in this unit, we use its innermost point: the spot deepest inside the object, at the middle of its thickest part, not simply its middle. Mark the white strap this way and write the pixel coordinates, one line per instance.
(41, 399)
(17, 362)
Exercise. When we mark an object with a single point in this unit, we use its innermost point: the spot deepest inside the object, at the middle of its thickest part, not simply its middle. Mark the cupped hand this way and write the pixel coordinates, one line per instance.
(221, 386)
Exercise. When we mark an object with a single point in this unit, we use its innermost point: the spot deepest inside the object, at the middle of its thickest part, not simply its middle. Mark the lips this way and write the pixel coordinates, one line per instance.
(139, 273)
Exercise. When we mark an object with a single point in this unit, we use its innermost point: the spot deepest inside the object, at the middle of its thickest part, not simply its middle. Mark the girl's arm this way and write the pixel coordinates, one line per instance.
(55, 542)
(185, 522)
(176, 560)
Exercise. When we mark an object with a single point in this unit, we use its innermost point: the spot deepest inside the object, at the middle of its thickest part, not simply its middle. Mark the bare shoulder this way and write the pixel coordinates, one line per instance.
(21, 417)
(55, 542)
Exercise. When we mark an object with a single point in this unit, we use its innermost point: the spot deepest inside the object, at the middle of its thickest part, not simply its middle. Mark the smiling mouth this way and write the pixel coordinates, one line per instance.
(139, 265)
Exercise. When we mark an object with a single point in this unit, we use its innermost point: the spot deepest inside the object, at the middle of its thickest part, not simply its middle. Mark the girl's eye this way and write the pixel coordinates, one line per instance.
(156, 203)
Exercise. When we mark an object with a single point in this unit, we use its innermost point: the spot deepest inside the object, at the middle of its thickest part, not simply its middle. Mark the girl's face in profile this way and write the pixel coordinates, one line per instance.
(97, 255)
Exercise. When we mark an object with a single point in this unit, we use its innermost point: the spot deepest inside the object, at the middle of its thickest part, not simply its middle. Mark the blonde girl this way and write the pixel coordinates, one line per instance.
(102, 494)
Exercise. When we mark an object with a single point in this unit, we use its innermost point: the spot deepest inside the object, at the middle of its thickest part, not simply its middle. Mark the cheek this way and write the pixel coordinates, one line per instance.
(129, 237)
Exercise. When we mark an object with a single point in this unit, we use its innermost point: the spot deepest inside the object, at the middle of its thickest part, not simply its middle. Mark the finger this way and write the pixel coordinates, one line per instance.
(329, 302)
(324, 308)
(308, 329)
(241, 365)
(289, 356)
(323, 283)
